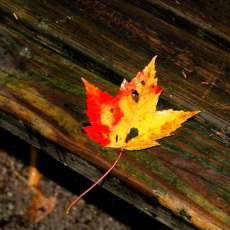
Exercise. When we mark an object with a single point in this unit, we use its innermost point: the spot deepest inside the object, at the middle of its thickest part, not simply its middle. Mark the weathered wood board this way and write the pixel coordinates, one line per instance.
(47, 46)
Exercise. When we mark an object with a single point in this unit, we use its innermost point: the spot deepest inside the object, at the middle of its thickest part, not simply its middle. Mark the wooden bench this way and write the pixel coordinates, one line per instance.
(47, 46)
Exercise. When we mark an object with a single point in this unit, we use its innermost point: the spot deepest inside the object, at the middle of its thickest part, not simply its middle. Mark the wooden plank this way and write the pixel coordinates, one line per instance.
(43, 58)
(208, 19)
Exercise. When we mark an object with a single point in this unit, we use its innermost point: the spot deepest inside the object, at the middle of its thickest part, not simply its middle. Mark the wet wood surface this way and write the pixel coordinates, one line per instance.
(47, 46)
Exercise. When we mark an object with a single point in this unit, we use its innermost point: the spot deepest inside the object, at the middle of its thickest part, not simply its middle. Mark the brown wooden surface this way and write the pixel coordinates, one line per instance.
(208, 19)
(46, 47)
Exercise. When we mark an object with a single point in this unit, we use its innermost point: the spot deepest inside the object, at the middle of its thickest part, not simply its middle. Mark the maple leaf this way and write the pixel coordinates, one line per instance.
(130, 120)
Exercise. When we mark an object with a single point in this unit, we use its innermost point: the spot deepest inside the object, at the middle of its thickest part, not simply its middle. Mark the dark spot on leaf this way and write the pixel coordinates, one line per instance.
(143, 82)
(133, 132)
(116, 138)
(111, 110)
(135, 95)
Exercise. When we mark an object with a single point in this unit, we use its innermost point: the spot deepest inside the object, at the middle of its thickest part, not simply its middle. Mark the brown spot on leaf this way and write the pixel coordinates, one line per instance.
(135, 95)
(133, 132)
(143, 82)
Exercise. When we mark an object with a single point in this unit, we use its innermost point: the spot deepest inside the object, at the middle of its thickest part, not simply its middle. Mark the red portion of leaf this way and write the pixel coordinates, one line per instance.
(117, 113)
(95, 99)
(157, 89)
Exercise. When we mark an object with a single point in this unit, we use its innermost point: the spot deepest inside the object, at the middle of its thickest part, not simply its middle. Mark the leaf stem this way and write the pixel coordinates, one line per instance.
(99, 180)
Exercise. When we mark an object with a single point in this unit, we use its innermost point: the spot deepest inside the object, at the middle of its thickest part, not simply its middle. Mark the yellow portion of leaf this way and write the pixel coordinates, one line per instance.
(151, 127)
(141, 124)
(106, 115)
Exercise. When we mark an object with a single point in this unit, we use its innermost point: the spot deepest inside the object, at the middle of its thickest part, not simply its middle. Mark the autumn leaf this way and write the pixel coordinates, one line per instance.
(130, 120)
(40, 207)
